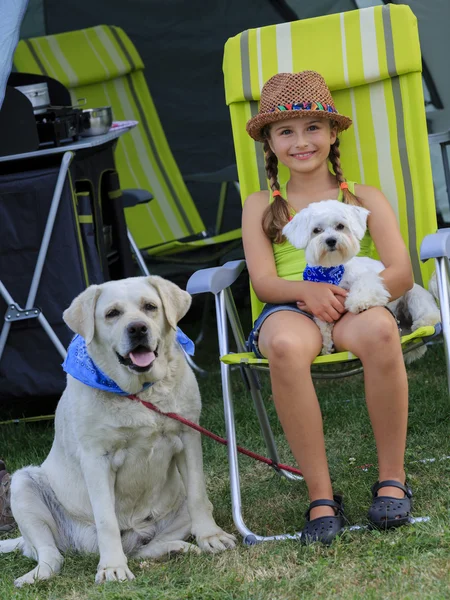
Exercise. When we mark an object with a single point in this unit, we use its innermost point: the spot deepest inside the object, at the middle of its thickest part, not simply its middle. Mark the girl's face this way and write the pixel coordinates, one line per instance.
(302, 144)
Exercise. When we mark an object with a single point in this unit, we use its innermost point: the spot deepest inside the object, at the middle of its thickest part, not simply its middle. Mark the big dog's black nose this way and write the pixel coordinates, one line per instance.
(137, 330)
(331, 242)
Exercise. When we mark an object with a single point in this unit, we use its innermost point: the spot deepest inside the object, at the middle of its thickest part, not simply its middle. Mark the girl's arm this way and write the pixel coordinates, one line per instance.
(320, 297)
(385, 233)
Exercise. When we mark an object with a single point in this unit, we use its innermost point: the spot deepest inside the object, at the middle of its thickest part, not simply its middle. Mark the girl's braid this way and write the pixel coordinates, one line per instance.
(277, 213)
(271, 165)
(335, 159)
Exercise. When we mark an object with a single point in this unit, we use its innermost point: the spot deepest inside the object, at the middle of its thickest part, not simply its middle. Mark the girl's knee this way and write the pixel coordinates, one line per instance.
(380, 335)
(385, 329)
(288, 348)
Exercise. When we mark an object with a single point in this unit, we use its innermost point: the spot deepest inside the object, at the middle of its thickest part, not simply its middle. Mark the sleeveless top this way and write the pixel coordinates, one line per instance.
(290, 261)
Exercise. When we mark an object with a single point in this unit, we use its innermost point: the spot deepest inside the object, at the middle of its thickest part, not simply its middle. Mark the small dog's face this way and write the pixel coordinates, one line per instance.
(329, 231)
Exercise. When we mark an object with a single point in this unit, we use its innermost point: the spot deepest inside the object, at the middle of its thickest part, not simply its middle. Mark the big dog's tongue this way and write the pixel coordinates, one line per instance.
(142, 358)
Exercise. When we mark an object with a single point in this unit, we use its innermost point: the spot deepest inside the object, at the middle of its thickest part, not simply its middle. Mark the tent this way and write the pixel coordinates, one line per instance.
(181, 43)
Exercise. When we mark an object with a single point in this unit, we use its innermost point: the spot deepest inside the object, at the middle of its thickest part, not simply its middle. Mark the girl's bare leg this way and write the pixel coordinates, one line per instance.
(291, 342)
(373, 337)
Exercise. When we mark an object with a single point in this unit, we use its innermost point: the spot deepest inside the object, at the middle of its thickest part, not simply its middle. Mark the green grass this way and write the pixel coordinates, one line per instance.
(412, 562)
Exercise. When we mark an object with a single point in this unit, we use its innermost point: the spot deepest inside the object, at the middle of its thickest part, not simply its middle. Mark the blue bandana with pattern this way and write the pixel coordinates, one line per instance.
(80, 365)
(324, 274)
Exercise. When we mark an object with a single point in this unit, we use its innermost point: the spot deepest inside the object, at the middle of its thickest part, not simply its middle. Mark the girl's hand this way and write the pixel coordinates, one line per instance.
(324, 300)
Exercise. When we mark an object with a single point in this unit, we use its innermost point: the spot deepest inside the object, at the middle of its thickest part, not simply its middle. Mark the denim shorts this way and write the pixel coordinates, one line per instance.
(252, 342)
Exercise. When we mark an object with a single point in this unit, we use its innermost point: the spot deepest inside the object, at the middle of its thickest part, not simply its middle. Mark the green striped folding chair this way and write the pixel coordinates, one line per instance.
(102, 65)
(371, 61)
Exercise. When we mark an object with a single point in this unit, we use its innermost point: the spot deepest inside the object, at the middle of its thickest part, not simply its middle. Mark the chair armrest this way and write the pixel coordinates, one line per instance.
(133, 197)
(435, 245)
(227, 174)
(215, 279)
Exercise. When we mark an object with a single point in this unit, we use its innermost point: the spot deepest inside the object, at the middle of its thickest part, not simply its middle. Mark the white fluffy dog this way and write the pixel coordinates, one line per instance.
(330, 233)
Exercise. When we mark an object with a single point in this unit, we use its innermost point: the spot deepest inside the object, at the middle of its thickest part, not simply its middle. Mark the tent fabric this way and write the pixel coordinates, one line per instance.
(181, 43)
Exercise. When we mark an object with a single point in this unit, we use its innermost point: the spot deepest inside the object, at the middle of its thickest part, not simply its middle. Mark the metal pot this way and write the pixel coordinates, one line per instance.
(96, 121)
(37, 94)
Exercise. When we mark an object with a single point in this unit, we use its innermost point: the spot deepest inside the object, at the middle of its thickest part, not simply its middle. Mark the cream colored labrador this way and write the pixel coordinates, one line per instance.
(120, 480)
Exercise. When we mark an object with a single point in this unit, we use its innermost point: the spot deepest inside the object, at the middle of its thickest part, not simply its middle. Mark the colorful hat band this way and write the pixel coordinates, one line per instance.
(305, 106)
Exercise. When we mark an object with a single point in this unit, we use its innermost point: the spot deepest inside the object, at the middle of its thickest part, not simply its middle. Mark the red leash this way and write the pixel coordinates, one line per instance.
(219, 439)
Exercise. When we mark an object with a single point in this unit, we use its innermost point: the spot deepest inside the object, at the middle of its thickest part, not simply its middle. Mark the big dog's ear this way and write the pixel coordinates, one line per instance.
(297, 230)
(80, 316)
(176, 302)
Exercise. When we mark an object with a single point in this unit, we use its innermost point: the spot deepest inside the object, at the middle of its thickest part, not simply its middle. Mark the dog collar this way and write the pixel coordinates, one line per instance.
(80, 365)
(324, 274)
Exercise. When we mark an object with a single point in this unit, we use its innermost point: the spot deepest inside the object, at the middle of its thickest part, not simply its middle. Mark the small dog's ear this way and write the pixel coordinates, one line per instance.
(358, 220)
(175, 301)
(297, 230)
(80, 316)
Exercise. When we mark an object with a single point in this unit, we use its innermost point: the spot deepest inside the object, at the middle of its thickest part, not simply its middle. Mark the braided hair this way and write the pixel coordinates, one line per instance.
(277, 213)
(335, 159)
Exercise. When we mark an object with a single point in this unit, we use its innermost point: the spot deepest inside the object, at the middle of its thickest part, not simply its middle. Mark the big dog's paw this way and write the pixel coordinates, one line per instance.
(39, 573)
(47, 567)
(216, 541)
(119, 573)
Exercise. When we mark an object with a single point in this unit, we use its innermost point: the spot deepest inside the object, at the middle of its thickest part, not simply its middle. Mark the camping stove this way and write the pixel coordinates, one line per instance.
(59, 125)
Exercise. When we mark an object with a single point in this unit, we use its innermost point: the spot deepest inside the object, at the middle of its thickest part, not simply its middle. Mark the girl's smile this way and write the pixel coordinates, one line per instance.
(303, 155)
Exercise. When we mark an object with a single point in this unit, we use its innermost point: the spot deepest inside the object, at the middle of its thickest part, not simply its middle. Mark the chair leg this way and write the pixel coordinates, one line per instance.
(249, 538)
(221, 206)
(30, 310)
(443, 276)
(254, 387)
(137, 253)
(205, 315)
(195, 366)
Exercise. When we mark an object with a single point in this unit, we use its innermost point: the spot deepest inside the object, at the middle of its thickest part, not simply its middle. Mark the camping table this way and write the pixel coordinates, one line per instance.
(14, 312)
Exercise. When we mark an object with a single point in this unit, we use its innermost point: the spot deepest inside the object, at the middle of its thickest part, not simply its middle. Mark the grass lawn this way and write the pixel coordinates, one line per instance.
(412, 562)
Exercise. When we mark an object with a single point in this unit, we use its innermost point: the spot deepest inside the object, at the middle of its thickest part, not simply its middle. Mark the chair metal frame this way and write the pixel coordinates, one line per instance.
(386, 43)
(218, 281)
(14, 311)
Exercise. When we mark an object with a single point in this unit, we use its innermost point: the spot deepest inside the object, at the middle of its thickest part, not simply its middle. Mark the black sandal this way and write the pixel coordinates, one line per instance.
(387, 511)
(324, 529)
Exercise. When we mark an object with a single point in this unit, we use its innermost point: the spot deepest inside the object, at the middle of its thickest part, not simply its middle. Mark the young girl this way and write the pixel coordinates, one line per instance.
(298, 125)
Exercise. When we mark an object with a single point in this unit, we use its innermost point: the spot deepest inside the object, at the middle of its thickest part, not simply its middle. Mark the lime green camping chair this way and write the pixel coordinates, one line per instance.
(371, 61)
(102, 65)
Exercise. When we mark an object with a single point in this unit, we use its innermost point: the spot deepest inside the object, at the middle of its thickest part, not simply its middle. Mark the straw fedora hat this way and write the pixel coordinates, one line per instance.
(288, 95)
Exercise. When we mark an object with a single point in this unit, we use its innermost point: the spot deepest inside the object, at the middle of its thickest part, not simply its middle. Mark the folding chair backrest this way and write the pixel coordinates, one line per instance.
(371, 61)
(102, 65)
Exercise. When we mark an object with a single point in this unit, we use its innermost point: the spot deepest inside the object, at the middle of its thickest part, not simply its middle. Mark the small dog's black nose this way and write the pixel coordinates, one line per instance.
(331, 242)
(137, 329)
